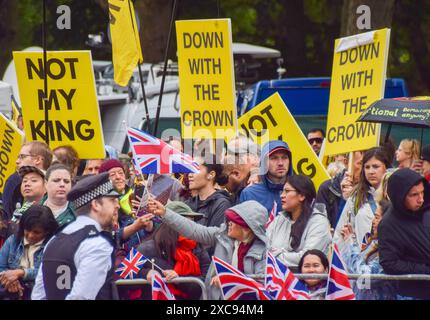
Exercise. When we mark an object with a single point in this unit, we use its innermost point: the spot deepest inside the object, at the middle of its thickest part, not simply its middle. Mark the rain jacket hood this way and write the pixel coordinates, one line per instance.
(267, 149)
(255, 216)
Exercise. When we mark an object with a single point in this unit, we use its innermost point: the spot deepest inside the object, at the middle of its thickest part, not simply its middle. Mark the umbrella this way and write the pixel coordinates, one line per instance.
(410, 112)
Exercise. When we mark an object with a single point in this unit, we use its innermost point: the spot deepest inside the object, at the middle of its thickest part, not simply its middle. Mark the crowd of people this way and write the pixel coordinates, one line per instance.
(67, 223)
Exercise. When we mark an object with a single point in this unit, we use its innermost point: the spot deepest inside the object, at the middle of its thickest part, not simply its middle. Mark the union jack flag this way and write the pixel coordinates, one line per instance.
(151, 155)
(160, 291)
(338, 286)
(281, 282)
(273, 214)
(237, 286)
(296, 289)
(276, 275)
(131, 264)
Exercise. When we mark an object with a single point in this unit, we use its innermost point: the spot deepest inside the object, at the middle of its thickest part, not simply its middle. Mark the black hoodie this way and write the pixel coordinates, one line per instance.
(404, 235)
(213, 208)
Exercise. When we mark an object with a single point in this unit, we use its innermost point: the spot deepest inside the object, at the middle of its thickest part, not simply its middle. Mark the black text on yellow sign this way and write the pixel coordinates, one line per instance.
(358, 79)
(10, 145)
(74, 117)
(271, 120)
(206, 77)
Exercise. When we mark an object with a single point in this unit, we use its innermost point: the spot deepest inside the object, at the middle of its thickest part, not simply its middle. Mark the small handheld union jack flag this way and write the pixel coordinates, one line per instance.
(160, 291)
(152, 155)
(131, 264)
(273, 214)
(237, 286)
(338, 286)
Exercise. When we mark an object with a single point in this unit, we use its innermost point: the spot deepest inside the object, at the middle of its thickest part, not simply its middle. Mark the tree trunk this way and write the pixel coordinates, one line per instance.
(154, 27)
(381, 15)
(154, 19)
(8, 32)
(411, 16)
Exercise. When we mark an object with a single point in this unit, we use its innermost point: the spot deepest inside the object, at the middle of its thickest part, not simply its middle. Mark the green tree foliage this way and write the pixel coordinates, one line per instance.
(303, 30)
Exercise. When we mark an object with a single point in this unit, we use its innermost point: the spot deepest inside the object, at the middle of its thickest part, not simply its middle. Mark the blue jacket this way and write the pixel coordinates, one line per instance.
(267, 192)
(10, 258)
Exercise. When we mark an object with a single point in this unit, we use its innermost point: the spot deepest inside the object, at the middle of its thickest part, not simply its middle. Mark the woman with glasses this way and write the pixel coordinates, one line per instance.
(301, 226)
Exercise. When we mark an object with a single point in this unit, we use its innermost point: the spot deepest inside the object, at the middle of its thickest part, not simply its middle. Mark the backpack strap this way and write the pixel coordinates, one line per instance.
(372, 203)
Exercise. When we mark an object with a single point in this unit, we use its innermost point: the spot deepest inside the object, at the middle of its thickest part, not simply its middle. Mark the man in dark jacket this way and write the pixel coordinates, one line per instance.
(275, 165)
(404, 232)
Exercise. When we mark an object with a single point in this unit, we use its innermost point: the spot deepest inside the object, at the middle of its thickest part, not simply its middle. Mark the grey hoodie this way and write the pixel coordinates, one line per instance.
(254, 214)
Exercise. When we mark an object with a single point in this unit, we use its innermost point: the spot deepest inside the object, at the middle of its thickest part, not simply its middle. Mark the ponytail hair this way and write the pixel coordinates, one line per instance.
(305, 187)
(220, 177)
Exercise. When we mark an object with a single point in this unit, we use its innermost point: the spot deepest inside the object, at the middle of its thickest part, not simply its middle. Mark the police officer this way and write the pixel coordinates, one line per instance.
(78, 262)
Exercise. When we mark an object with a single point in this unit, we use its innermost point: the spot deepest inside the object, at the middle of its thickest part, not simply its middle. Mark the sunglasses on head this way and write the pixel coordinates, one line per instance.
(317, 140)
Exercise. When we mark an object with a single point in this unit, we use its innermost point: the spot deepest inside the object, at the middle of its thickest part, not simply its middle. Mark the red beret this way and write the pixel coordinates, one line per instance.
(232, 216)
(109, 164)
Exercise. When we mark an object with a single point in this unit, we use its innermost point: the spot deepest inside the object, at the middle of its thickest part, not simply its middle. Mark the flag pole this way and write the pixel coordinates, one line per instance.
(145, 103)
(157, 117)
(45, 74)
(146, 193)
(155, 265)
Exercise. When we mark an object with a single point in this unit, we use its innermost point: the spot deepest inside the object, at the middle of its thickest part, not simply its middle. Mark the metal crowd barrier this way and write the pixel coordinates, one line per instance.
(324, 276)
(301, 276)
(133, 282)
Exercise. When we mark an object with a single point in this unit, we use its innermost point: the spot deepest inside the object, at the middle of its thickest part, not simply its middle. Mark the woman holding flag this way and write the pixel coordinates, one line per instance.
(360, 208)
(240, 242)
(176, 254)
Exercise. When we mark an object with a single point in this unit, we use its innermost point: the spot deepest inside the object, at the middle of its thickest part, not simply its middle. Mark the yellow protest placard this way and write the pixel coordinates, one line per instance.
(358, 79)
(11, 139)
(206, 78)
(273, 115)
(126, 50)
(16, 111)
(74, 116)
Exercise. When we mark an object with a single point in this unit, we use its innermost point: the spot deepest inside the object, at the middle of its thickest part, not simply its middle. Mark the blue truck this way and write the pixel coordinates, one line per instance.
(308, 100)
